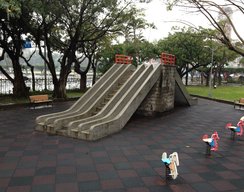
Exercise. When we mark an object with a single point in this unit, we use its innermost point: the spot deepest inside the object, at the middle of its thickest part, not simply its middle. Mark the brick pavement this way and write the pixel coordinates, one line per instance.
(127, 161)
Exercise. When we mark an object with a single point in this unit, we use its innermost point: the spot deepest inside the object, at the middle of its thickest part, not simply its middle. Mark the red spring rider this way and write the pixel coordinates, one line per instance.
(212, 142)
(236, 130)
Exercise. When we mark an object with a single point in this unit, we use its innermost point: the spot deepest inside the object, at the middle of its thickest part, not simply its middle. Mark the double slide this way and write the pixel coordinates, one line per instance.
(107, 106)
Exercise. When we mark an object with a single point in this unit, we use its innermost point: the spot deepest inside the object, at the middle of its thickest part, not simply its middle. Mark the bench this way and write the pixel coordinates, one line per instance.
(239, 103)
(39, 100)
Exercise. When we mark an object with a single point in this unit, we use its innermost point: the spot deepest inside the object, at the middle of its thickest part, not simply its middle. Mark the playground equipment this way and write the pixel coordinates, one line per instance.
(123, 59)
(108, 105)
(212, 142)
(171, 164)
(167, 58)
(236, 130)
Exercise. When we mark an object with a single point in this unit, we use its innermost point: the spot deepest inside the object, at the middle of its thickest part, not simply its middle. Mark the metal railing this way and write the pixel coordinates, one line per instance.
(6, 87)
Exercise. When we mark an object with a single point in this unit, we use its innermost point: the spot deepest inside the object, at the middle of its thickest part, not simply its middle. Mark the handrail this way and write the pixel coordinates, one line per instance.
(123, 59)
(167, 59)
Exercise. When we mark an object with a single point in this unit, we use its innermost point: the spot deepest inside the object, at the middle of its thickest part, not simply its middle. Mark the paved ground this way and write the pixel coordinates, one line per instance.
(127, 161)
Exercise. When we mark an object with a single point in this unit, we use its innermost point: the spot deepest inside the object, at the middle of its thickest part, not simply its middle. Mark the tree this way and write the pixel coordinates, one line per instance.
(242, 62)
(70, 27)
(131, 29)
(188, 47)
(193, 50)
(222, 22)
(13, 17)
(144, 52)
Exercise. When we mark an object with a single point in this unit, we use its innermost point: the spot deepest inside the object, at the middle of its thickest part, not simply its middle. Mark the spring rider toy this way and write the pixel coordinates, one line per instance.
(171, 164)
(212, 142)
(236, 130)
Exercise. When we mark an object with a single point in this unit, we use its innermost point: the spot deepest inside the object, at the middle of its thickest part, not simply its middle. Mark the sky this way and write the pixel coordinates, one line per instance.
(164, 20)
(156, 12)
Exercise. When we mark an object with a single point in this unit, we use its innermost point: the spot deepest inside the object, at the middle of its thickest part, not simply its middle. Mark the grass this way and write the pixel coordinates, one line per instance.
(227, 93)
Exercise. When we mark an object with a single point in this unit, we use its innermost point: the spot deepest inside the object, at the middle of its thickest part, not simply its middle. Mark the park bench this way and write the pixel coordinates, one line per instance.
(36, 100)
(239, 103)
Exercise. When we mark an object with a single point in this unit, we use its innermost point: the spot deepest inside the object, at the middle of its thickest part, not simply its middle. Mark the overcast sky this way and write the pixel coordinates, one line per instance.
(164, 20)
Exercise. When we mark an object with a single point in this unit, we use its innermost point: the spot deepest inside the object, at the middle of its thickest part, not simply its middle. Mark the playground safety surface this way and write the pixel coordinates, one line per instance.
(127, 161)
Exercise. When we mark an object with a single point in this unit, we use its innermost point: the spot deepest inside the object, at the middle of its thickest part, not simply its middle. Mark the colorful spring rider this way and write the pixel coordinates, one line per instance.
(212, 142)
(236, 130)
(171, 164)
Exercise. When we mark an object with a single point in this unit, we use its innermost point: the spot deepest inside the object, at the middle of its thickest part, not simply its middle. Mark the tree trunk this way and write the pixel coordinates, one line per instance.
(83, 82)
(202, 76)
(94, 77)
(219, 75)
(59, 91)
(20, 89)
(33, 79)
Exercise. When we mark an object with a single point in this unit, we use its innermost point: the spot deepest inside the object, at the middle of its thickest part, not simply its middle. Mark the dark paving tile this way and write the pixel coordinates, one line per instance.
(138, 189)
(159, 189)
(44, 179)
(127, 173)
(140, 165)
(133, 158)
(4, 183)
(132, 182)
(238, 183)
(89, 186)
(114, 190)
(20, 181)
(47, 163)
(154, 181)
(27, 164)
(104, 159)
(6, 173)
(41, 188)
(192, 178)
(228, 175)
(19, 189)
(65, 178)
(46, 171)
(223, 185)
(210, 176)
(64, 187)
(127, 161)
(87, 176)
(111, 184)
(86, 168)
(122, 165)
(105, 175)
(65, 169)
(203, 187)
(182, 188)
(105, 167)
(146, 172)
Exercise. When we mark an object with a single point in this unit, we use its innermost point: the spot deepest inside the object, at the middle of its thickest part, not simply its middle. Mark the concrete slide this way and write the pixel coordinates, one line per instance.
(91, 100)
(182, 97)
(120, 109)
(107, 106)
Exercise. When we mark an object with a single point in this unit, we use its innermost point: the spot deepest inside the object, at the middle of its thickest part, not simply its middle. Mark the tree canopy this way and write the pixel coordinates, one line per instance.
(73, 28)
(219, 14)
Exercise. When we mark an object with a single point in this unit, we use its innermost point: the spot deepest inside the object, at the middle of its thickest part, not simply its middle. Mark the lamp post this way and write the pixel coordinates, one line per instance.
(210, 75)
(211, 71)
(45, 66)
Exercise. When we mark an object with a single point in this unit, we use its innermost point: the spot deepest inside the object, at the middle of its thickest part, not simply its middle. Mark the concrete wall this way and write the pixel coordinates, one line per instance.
(161, 96)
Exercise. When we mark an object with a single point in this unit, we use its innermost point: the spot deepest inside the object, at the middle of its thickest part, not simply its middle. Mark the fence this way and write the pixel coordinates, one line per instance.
(6, 87)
